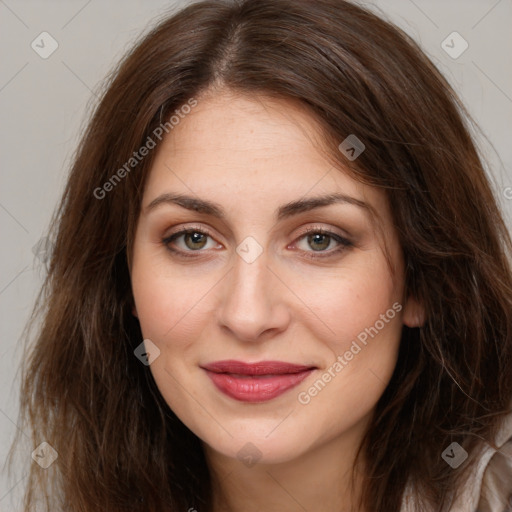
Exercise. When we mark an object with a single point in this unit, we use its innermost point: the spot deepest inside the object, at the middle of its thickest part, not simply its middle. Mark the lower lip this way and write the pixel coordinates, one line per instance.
(256, 388)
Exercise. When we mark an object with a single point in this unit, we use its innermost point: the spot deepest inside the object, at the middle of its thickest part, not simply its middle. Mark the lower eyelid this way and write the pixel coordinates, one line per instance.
(339, 248)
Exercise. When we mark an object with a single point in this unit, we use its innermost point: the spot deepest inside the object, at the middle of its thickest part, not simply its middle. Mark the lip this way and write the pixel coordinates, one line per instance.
(256, 382)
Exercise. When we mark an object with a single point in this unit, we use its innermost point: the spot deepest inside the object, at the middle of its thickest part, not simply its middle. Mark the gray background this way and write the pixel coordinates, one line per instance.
(44, 103)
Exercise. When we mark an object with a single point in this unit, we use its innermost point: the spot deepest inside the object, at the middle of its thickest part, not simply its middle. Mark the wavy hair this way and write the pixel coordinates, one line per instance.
(120, 447)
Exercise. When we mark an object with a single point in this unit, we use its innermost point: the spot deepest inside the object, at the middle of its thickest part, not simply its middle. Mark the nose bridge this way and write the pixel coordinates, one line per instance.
(250, 304)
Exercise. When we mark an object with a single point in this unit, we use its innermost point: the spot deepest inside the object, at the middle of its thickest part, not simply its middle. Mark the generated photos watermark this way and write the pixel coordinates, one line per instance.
(45, 455)
(249, 454)
(143, 151)
(342, 361)
(147, 352)
(352, 147)
(454, 455)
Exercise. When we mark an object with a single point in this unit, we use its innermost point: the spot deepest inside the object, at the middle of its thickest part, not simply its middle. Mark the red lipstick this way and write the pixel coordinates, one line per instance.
(255, 382)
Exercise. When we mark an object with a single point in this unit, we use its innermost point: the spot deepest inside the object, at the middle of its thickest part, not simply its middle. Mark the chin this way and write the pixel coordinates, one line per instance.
(260, 448)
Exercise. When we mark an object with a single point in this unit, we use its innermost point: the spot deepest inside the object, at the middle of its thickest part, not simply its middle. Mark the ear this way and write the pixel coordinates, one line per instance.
(414, 313)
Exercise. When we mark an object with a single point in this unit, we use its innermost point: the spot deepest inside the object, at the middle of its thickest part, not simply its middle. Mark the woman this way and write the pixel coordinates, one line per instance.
(280, 280)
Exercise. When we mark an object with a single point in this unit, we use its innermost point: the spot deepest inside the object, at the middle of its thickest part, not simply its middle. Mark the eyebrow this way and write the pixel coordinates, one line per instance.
(284, 211)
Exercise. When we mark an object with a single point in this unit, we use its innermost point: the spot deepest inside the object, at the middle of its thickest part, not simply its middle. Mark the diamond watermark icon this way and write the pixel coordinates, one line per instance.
(454, 455)
(249, 455)
(352, 147)
(45, 455)
(44, 45)
(249, 249)
(147, 352)
(454, 45)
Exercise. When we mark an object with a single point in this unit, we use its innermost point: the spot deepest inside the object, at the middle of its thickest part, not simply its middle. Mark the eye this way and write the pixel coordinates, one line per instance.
(323, 242)
(190, 240)
(314, 243)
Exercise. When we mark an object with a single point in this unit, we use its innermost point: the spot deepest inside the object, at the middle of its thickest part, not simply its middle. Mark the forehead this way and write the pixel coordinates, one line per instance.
(250, 149)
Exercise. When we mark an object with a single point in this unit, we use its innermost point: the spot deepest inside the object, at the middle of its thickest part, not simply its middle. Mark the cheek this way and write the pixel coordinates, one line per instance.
(351, 300)
(171, 309)
(362, 310)
(168, 302)
(365, 314)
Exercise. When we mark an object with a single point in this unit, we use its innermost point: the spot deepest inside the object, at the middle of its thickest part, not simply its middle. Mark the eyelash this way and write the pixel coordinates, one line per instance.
(343, 242)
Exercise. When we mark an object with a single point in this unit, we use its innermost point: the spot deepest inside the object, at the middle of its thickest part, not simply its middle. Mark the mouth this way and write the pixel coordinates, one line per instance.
(256, 382)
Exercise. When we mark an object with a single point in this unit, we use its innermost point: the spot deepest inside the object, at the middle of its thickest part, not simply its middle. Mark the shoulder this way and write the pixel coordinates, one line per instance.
(496, 483)
(489, 487)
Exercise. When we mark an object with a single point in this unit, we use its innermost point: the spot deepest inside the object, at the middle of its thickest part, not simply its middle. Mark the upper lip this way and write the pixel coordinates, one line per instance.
(259, 368)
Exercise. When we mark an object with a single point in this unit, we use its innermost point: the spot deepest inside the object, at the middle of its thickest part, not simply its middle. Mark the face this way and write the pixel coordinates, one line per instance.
(261, 276)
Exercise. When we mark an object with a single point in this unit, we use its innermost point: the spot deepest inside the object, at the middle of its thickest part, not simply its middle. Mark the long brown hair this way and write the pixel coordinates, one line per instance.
(120, 448)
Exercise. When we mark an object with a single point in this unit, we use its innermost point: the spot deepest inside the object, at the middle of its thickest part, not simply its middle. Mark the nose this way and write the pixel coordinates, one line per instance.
(252, 305)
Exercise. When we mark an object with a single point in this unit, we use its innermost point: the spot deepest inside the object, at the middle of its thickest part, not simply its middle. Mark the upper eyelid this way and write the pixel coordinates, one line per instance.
(185, 229)
(323, 230)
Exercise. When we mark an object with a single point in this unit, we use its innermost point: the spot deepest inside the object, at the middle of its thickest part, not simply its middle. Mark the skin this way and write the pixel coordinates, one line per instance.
(251, 156)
